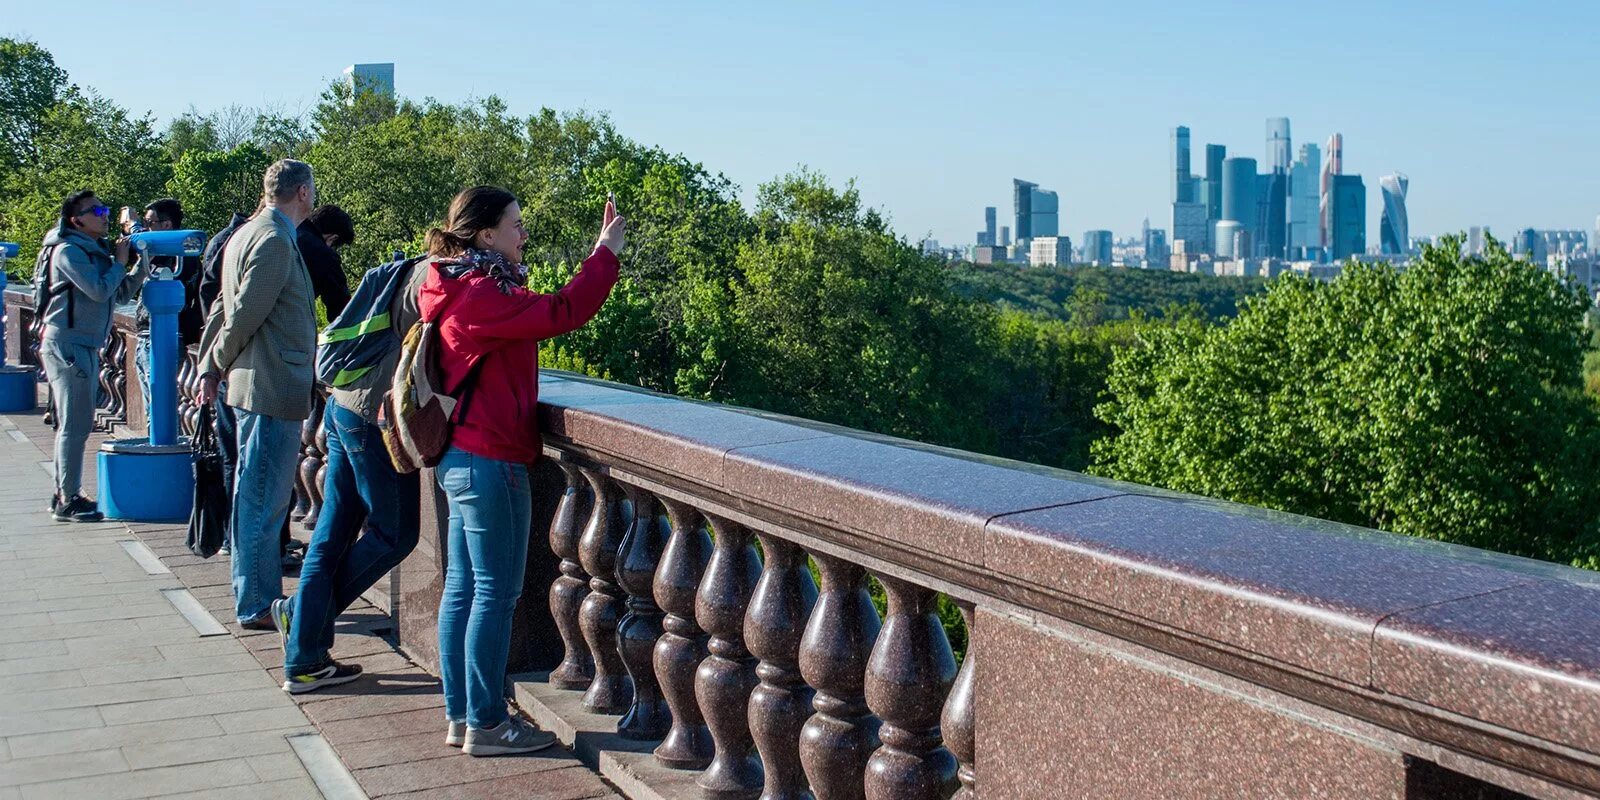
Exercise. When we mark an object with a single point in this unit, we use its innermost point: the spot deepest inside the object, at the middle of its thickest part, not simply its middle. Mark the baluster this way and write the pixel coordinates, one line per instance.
(960, 719)
(726, 677)
(682, 646)
(185, 399)
(567, 592)
(780, 704)
(648, 717)
(839, 738)
(610, 691)
(908, 676)
(302, 491)
(319, 478)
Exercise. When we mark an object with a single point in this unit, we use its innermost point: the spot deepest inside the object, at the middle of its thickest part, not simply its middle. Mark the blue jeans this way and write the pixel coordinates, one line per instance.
(361, 486)
(486, 555)
(269, 455)
(141, 365)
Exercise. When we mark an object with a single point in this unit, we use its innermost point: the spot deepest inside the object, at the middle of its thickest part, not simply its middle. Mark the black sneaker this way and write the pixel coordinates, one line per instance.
(78, 509)
(331, 675)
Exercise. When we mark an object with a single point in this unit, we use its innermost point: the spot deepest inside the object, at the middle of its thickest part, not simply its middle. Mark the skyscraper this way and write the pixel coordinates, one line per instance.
(1037, 210)
(1156, 253)
(377, 78)
(1097, 248)
(1022, 205)
(1239, 194)
(1189, 226)
(1393, 232)
(1475, 240)
(1182, 178)
(1347, 217)
(1005, 236)
(1278, 147)
(1305, 229)
(986, 236)
(1046, 219)
(1271, 232)
(1215, 155)
(1332, 165)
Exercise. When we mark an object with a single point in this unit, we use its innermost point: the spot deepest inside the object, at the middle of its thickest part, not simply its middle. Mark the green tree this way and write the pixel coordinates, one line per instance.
(30, 86)
(1442, 401)
(84, 141)
(191, 131)
(212, 184)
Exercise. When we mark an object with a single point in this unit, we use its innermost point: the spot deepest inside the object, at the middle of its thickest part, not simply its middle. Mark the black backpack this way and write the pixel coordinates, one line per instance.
(45, 288)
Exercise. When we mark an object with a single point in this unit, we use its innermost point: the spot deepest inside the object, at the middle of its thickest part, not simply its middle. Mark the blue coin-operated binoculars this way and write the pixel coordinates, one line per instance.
(150, 479)
(17, 383)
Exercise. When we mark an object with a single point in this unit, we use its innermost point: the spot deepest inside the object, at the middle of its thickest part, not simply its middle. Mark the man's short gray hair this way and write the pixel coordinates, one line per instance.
(284, 178)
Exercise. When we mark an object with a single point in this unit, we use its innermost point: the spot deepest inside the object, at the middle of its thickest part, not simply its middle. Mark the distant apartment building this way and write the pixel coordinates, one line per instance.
(988, 254)
(1475, 240)
(377, 78)
(1097, 248)
(1156, 252)
(1049, 251)
(1189, 225)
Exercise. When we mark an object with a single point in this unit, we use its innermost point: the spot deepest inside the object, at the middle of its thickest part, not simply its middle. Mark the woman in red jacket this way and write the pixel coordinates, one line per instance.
(489, 331)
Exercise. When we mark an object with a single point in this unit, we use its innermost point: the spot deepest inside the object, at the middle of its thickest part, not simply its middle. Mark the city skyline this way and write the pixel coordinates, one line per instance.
(1488, 133)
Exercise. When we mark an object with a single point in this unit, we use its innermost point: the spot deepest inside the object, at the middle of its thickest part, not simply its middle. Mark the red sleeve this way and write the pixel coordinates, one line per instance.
(486, 313)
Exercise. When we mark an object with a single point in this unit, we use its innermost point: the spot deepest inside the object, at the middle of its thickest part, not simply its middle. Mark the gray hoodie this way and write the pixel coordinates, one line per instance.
(98, 284)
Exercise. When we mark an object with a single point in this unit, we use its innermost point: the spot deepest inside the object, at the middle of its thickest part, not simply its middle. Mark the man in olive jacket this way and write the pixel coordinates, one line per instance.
(261, 336)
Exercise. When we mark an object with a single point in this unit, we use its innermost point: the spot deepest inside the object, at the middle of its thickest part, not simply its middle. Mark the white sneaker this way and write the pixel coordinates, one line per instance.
(515, 735)
(456, 734)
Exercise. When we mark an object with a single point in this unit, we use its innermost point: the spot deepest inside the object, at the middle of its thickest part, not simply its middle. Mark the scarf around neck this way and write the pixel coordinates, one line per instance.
(489, 263)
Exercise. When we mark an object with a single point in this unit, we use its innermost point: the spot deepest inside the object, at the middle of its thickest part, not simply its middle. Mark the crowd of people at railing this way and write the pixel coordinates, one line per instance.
(250, 313)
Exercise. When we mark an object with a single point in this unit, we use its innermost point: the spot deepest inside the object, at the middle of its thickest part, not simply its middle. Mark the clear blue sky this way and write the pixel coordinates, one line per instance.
(933, 107)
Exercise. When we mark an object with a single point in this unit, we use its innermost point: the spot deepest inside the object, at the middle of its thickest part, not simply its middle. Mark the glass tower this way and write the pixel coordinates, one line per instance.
(1278, 147)
(1394, 233)
(1182, 178)
(1347, 217)
(1305, 235)
(1239, 191)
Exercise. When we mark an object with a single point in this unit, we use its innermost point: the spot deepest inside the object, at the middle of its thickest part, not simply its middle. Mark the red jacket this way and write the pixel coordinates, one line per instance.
(478, 320)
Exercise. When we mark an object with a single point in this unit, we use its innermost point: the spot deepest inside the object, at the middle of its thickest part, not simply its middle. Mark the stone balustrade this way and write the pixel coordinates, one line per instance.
(708, 593)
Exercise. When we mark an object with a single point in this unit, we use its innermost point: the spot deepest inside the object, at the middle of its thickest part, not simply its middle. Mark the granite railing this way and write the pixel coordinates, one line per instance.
(1122, 641)
(706, 593)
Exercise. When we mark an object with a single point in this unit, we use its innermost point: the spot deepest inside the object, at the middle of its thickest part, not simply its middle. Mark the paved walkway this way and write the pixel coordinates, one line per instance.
(108, 691)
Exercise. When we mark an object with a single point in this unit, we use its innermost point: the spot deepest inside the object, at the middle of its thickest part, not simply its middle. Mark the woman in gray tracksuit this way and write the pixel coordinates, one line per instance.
(87, 278)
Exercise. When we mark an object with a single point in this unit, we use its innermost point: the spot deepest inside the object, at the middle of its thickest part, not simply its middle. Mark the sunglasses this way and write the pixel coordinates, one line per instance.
(98, 210)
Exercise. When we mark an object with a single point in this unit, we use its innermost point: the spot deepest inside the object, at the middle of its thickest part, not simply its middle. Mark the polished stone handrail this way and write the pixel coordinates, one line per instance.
(1414, 668)
(1482, 665)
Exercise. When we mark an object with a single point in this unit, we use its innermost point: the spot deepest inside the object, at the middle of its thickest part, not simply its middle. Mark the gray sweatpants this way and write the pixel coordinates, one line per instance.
(74, 373)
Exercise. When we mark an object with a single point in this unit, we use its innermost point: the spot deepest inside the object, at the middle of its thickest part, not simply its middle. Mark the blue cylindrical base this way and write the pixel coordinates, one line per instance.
(18, 388)
(146, 483)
